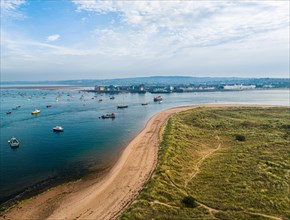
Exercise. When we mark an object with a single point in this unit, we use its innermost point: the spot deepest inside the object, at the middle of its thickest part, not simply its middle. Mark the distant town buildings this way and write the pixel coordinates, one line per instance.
(171, 88)
(239, 87)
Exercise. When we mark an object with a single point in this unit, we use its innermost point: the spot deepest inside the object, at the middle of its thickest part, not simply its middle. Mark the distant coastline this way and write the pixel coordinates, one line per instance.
(158, 80)
(42, 87)
(155, 84)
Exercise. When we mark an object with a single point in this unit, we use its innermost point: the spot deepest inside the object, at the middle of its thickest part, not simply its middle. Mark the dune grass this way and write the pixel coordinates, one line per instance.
(220, 163)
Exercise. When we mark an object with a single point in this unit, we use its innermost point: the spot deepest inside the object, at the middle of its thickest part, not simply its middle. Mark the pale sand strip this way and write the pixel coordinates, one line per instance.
(107, 198)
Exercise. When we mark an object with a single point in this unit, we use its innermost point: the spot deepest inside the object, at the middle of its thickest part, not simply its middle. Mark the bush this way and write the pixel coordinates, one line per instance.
(240, 137)
(189, 201)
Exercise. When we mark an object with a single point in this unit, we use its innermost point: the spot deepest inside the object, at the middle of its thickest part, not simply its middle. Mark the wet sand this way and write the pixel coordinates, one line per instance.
(108, 196)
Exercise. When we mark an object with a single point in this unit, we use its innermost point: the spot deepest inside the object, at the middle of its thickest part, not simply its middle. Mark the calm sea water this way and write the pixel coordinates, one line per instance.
(88, 143)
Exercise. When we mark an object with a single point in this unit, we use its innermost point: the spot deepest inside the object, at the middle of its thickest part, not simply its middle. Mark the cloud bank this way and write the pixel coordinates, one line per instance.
(128, 38)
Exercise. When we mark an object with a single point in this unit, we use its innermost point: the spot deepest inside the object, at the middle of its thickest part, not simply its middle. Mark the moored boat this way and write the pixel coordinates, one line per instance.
(35, 112)
(158, 98)
(146, 103)
(109, 115)
(58, 129)
(13, 142)
(122, 106)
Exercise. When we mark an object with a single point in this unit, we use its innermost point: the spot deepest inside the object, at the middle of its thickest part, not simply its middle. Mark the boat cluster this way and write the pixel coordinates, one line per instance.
(14, 143)
(16, 108)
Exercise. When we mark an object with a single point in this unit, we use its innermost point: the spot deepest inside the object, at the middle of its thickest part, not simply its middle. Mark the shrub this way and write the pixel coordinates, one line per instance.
(189, 201)
(240, 137)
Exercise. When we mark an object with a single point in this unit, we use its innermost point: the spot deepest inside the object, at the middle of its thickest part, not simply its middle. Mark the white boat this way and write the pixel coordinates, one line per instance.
(58, 128)
(122, 105)
(13, 142)
(158, 98)
(35, 112)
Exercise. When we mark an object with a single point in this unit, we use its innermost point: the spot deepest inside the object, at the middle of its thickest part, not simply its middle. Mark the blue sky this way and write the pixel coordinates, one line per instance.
(96, 39)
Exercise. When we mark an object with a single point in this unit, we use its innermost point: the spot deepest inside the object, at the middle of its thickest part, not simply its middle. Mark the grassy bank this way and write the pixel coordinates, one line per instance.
(220, 163)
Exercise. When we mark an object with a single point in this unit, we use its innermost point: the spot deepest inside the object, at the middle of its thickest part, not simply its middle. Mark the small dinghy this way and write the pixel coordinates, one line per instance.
(35, 112)
(13, 142)
(58, 129)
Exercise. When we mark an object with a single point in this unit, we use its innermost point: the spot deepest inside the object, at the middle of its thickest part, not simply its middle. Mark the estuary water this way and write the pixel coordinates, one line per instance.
(88, 143)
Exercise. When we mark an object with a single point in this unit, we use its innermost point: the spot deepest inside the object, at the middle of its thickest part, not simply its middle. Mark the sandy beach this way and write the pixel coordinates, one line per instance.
(106, 197)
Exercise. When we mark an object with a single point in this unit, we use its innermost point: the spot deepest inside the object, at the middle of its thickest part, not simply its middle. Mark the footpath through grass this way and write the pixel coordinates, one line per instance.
(220, 163)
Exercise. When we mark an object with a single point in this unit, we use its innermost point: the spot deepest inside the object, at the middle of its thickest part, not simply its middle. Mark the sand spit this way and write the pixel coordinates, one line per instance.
(107, 197)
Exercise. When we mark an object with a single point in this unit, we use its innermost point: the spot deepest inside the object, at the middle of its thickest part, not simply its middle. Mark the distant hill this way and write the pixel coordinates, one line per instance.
(157, 80)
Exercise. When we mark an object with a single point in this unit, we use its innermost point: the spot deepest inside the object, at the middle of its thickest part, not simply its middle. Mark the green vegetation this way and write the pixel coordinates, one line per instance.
(206, 172)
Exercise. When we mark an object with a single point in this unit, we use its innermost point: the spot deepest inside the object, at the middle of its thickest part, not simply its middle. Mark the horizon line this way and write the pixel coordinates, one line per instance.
(140, 77)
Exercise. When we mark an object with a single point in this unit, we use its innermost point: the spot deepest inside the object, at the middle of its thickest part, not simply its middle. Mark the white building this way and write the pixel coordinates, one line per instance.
(239, 87)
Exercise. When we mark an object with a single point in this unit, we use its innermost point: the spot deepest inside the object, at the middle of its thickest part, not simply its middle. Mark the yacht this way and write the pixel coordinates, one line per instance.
(13, 142)
(58, 129)
(122, 105)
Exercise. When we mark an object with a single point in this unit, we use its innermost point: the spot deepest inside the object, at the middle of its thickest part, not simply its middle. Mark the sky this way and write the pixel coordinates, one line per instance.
(102, 39)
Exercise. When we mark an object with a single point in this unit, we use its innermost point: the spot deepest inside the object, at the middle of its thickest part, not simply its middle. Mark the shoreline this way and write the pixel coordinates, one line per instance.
(87, 198)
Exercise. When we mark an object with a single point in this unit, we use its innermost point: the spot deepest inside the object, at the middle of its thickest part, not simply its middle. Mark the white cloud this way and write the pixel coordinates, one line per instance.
(159, 37)
(165, 27)
(10, 7)
(11, 4)
(53, 37)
